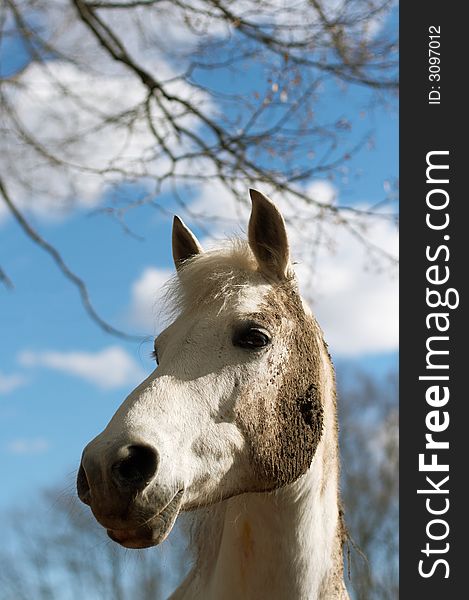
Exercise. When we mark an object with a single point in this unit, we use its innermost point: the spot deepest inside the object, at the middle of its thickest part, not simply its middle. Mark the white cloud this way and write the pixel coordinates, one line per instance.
(216, 203)
(355, 303)
(88, 110)
(28, 446)
(9, 383)
(146, 29)
(52, 116)
(108, 369)
(322, 191)
(98, 128)
(146, 309)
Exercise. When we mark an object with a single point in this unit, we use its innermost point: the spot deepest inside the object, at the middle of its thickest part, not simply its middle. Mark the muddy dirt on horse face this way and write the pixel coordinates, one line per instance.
(237, 420)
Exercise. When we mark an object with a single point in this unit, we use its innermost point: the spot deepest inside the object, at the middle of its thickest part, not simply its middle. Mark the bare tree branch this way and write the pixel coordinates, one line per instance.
(66, 271)
(7, 282)
(104, 100)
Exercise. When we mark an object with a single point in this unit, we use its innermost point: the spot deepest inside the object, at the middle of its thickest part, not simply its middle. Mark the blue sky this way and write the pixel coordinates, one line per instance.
(61, 377)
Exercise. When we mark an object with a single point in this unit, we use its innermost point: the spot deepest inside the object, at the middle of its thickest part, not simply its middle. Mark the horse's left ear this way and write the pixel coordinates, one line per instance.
(185, 244)
(268, 237)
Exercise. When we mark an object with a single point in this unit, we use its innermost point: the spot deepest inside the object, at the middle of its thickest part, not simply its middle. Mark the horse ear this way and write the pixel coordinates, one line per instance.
(185, 244)
(268, 237)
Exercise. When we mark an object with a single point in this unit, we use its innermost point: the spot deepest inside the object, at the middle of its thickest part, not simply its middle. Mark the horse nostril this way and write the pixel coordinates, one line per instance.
(137, 468)
(83, 487)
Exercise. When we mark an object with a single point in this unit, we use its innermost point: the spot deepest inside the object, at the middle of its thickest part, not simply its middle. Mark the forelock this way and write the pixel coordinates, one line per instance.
(216, 276)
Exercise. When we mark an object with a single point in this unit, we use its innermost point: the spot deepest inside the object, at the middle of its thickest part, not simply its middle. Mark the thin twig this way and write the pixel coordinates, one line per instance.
(7, 282)
(66, 271)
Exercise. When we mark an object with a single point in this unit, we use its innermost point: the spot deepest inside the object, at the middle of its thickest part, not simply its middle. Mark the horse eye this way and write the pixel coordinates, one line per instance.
(252, 338)
(154, 355)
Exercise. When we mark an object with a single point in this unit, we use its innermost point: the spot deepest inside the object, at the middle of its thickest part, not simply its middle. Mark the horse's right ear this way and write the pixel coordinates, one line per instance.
(185, 244)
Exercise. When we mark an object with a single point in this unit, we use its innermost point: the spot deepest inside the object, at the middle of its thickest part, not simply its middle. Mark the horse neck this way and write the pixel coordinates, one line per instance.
(277, 545)
(281, 545)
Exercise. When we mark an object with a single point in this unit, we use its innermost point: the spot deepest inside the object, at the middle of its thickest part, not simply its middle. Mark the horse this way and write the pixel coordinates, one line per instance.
(238, 423)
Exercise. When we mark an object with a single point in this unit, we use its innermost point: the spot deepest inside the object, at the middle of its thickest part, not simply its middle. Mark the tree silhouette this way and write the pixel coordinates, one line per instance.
(174, 95)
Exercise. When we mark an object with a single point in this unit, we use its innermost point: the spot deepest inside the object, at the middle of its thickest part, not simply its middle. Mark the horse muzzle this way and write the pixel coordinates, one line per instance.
(154, 531)
(118, 482)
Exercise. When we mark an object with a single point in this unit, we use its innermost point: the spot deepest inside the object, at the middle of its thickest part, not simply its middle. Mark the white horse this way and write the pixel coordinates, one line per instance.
(238, 421)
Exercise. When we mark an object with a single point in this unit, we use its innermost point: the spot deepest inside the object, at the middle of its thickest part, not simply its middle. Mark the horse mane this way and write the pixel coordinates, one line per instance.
(212, 276)
(215, 276)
